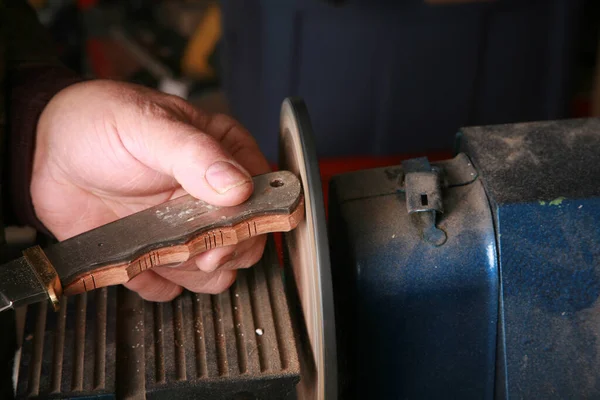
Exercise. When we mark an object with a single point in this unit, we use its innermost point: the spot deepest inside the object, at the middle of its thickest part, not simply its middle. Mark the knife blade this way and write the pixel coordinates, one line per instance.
(165, 235)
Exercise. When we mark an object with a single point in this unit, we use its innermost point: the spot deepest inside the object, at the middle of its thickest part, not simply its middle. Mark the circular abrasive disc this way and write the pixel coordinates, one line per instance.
(307, 258)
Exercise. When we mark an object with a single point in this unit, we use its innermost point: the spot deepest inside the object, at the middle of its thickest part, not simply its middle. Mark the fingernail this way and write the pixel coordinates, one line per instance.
(224, 176)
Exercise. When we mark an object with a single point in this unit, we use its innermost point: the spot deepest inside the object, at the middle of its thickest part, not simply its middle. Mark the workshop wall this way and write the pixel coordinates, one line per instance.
(380, 78)
(383, 78)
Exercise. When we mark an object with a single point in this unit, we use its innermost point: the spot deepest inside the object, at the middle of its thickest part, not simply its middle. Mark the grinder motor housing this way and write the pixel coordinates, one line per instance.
(475, 277)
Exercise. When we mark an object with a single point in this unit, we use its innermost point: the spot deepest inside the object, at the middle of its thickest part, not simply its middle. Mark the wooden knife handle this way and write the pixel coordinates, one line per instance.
(172, 233)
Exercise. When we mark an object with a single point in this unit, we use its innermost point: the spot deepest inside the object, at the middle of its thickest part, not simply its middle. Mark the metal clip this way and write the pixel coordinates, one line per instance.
(423, 188)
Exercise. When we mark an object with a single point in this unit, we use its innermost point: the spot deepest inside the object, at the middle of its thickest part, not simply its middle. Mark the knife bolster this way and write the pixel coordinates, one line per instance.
(46, 274)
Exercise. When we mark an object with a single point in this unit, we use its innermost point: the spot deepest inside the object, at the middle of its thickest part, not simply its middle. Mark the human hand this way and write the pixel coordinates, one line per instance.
(106, 150)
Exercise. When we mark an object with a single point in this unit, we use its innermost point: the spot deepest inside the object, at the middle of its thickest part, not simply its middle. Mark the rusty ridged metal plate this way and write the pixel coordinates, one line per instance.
(308, 262)
(109, 342)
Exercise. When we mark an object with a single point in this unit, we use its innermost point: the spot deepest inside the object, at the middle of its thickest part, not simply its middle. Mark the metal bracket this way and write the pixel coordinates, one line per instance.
(423, 188)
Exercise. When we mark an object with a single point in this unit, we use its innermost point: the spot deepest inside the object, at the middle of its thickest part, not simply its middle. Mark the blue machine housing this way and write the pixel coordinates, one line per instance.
(423, 319)
(508, 305)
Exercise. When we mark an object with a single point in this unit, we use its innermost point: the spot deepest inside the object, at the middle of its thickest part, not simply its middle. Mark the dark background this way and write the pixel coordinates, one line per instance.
(381, 78)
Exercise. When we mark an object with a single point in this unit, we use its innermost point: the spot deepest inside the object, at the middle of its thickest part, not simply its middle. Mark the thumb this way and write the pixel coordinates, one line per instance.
(195, 159)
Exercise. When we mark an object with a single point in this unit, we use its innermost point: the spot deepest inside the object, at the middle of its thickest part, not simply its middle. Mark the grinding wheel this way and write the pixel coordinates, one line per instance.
(307, 254)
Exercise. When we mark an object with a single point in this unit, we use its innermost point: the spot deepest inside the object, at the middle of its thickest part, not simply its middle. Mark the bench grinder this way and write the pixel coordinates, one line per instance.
(475, 277)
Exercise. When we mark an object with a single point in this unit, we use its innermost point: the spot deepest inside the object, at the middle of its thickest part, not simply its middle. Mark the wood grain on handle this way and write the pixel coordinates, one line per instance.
(174, 232)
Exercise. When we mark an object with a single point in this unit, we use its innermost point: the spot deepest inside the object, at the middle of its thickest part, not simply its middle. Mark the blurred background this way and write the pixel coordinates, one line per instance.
(381, 78)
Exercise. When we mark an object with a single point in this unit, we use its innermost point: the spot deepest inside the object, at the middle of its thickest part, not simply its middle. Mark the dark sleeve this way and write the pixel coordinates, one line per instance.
(33, 76)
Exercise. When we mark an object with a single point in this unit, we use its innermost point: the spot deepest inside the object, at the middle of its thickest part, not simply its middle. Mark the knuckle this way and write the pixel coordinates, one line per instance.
(150, 109)
(172, 294)
(221, 119)
(208, 266)
(187, 111)
(250, 258)
(162, 293)
(220, 282)
(255, 255)
(216, 258)
(258, 251)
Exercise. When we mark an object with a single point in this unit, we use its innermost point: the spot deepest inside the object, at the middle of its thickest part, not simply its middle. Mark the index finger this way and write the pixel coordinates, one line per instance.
(230, 133)
(238, 142)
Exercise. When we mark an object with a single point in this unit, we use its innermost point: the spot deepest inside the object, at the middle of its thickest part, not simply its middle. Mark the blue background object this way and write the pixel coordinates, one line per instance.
(390, 77)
